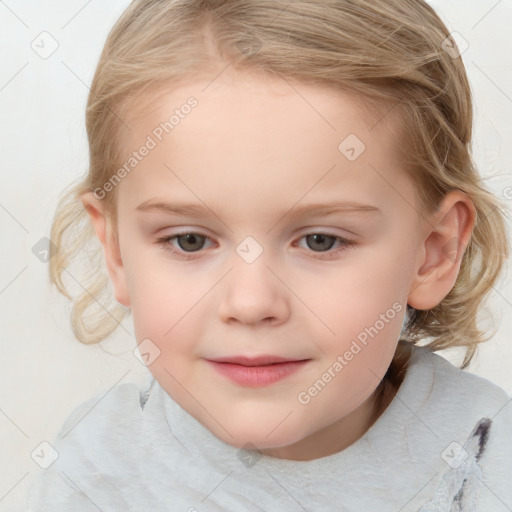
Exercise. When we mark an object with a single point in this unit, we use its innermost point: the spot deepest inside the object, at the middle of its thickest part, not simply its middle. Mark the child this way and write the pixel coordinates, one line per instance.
(227, 139)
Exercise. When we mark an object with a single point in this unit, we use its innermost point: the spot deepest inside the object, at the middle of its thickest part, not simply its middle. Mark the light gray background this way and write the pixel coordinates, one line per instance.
(44, 371)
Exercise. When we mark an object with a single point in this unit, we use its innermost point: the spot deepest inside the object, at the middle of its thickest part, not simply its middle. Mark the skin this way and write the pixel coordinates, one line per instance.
(251, 148)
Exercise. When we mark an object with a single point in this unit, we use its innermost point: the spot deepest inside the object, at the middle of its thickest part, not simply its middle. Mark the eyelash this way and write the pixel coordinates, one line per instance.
(330, 253)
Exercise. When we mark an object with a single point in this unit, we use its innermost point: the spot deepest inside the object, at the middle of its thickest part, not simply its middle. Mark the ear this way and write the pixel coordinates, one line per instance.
(105, 231)
(448, 232)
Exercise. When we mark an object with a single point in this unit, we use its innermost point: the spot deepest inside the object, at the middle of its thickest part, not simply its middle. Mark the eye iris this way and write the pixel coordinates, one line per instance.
(320, 240)
(191, 239)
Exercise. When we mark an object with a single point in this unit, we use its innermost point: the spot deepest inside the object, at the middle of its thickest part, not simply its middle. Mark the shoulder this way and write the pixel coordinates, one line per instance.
(456, 390)
(91, 447)
(113, 405)
(448, 401)
(96, 433)
(470, 419)
(452, 400)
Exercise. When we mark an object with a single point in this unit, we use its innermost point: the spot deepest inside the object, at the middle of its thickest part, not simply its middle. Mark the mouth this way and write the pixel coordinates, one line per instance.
(256, 371)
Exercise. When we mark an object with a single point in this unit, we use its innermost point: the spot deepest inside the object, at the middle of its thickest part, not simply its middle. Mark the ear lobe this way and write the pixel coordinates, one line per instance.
(448, 234)
(105, 231)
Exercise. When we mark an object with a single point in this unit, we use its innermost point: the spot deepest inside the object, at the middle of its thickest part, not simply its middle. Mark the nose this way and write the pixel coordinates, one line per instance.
(252, 294)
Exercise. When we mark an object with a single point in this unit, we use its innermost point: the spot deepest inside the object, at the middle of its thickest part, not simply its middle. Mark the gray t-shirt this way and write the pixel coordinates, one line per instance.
(444, 444)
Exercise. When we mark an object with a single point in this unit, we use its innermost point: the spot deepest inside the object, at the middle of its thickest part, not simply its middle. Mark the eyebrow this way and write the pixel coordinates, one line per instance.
(318, 209)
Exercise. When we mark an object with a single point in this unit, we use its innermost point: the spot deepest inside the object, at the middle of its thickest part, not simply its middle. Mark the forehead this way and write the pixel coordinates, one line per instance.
(256, 133)
(232, 99)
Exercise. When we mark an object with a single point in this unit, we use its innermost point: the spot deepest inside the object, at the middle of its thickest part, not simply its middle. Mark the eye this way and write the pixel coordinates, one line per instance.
(323, 243)
(188, 242)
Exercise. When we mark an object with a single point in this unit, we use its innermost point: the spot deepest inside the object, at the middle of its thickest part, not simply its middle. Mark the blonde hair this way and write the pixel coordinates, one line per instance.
(389, 53)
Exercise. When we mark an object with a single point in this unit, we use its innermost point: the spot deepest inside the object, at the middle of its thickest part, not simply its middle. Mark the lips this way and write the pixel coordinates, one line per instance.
(262, 360)
(257, 371)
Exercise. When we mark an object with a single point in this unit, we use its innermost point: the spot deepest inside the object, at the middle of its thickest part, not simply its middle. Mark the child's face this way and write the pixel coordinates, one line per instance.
(248, 157)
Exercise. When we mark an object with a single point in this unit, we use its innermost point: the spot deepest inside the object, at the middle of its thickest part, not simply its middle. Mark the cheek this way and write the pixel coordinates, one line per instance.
(166, 302)
(358, 357)
(153, 291)
(363, 310)
(351, 297)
